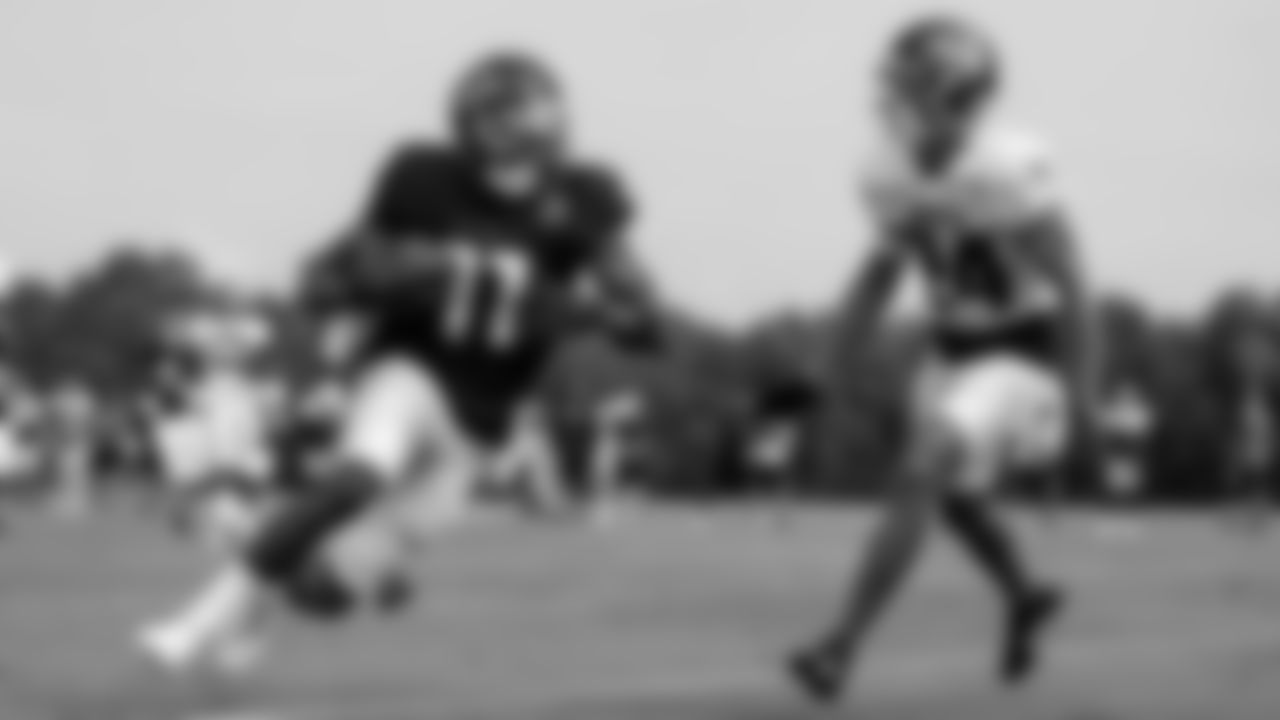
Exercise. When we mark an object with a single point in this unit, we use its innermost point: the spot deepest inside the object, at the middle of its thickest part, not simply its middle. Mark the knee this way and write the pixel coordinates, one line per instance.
(953, 458)
(933, 449)
(289, 542)
(364, 564)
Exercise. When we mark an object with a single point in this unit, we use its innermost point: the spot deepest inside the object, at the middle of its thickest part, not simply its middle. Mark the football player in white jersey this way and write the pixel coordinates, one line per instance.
(1011, 369)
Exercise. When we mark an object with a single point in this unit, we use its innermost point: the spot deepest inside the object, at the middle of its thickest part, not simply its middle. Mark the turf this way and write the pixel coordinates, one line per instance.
(672, 614)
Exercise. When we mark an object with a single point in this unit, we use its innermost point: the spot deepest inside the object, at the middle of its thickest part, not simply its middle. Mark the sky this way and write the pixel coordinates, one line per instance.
(245, 130)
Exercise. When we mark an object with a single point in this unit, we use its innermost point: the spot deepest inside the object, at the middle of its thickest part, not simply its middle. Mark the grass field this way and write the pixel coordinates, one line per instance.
(676, 614)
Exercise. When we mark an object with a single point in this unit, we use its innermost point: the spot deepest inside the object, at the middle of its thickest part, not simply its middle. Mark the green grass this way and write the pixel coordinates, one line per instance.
(675, 615)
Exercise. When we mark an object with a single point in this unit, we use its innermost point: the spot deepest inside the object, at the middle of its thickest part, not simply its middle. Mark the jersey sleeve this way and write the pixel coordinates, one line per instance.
(410, 192)
(613, 282)
(603, 216)
(605, 208)
(386, 207)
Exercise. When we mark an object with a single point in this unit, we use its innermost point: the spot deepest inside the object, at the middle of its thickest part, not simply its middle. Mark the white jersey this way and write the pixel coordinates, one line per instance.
(961, 224)
(225, 429)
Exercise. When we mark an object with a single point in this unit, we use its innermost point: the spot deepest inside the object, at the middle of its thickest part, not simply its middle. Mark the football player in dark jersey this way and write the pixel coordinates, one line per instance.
(470, 263)
(970, 203)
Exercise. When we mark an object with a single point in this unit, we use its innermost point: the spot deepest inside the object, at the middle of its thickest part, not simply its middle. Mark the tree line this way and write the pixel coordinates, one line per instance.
(103, 328)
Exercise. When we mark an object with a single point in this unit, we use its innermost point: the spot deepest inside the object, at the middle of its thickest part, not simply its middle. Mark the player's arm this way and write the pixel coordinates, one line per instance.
(881, 269)
(1045, 227)
(613, 291)
(616, 295)
(1054, 240)
(872, 288)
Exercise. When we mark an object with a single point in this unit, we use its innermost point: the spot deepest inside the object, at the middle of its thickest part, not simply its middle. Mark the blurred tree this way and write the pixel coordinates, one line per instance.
(103, 326)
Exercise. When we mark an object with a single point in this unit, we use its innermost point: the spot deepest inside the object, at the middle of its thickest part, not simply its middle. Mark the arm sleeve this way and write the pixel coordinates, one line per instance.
(1028, 186)
(613, 278)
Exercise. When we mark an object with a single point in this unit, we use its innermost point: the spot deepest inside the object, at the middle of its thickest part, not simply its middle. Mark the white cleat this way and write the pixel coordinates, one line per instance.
(164, 649)
(234, 656)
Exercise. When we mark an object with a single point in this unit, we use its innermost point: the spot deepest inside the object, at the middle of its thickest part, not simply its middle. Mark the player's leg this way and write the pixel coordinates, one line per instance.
(1008, 413)
(377, 443)
(395, 406)
(548, 491)
(370, 557)
(1249, 493)
(244, 499)
(821, 668)
(172, 641)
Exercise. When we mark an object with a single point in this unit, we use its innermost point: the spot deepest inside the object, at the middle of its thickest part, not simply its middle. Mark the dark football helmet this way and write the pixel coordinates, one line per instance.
(509, 114)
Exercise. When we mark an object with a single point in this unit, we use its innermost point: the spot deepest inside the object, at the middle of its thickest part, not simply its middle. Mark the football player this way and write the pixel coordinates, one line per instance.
(470, 263)
(215, 451)
(971, 204)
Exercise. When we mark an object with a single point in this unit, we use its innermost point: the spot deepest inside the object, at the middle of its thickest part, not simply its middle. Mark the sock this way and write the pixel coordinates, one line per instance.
(989, 543)
(225, 605)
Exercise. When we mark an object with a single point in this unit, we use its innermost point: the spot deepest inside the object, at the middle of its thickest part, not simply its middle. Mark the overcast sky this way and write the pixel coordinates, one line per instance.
(246, 129)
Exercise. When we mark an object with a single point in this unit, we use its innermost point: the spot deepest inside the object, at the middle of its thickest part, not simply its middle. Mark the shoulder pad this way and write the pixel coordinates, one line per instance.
(884, 182)
(1015, 169)
(414, 171)
(420, 158)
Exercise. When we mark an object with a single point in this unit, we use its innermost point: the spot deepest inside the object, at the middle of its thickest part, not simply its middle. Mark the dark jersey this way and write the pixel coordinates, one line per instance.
(489, 321)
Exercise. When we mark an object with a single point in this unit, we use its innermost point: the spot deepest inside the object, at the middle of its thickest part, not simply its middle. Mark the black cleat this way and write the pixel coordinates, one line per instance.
(819, 673)
(1026, 622)
(318, 595)
(395, 594)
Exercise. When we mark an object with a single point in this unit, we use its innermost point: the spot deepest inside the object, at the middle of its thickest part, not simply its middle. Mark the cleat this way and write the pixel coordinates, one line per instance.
(163, 649)
(818, 673)
(174, 656)
(395, 594)
(1027, 620)
(317, 595)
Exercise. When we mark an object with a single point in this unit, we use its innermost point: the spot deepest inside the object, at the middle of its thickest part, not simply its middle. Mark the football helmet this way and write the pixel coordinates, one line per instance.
(509, 115)
(940, 73)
